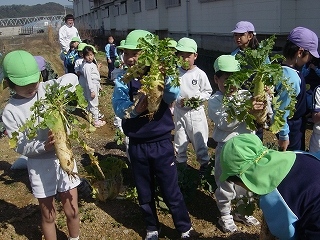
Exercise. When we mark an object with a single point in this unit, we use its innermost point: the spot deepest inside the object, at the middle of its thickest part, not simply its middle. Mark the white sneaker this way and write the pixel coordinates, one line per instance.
(187, 234)
(248, 220)
(152, 235)
(227, 224)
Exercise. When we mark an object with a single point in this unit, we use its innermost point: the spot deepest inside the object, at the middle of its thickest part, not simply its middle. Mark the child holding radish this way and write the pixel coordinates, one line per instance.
(46, 175)
(223, 130)
(92, 76)
(150, 148)
(301, 46)
(191, 121)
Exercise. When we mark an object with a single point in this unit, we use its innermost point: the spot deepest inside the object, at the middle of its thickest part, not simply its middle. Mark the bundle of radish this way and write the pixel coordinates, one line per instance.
(258, 77)
(55, 113)
(156, 62)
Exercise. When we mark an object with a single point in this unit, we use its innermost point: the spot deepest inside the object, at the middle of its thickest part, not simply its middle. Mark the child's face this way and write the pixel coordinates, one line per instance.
(188, 57)
(89, 57)
(302, 58)
(242, 39)
(27, 91)
(130, 57)
(110, 40)
(221, 80)
(69, 22)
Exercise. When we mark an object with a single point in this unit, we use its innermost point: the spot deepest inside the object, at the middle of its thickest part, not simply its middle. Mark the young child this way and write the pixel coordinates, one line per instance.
(78, 67)
(72, 55)
(150, 148)
(191, 124)
(46, 177)
(111, 54)
(92, 76)
(223, 130)
(287, 182)
(244, 36)
(301, 45)
(117, 71)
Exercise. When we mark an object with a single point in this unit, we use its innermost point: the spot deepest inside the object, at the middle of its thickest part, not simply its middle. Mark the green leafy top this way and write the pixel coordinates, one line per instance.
(155, 52)
(257, 75)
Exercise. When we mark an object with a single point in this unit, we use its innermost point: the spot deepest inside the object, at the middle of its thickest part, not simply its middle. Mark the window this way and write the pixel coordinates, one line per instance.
(137, 6)
(116, 10)
(123, 8)
(172, 3)
(151, 4)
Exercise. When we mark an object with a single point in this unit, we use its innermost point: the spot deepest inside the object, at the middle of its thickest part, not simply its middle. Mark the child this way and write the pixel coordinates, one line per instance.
(72, 55)
(78, 67)
(92, 76)
(150, 148)
(191, 124)
(117, 71)
(287, 182)
(244, 36)
(301, 45)
(111, 54)
(46, 177)
(223, 130)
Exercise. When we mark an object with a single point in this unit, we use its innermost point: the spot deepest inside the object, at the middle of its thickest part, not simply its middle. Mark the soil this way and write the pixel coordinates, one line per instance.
(119, 218)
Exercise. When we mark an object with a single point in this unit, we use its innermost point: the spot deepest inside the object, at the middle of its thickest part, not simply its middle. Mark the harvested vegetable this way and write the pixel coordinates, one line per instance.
(156, 62)
(257, 76)
(108, 185)
(55, 112)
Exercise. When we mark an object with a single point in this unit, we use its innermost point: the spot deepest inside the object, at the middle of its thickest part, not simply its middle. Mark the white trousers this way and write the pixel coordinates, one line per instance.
(191, 126)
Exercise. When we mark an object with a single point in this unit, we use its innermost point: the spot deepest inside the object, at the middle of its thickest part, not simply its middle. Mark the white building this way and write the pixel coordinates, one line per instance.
(209, 22)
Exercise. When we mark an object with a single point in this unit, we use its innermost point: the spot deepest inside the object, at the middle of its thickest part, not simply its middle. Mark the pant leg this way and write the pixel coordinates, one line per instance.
(181, 140)
(144, 180)
(225, 191)
(296, 134)
(165, 170)
(197, 132)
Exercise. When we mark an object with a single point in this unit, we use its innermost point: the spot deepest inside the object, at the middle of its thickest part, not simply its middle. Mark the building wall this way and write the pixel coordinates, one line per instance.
(209, 23)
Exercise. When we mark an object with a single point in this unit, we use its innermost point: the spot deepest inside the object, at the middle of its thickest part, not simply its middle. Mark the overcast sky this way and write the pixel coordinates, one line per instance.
(33, 2)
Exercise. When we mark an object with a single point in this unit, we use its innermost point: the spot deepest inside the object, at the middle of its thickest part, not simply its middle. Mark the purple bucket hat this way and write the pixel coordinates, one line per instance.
(306, 39)
(41, 62)
(244, 26)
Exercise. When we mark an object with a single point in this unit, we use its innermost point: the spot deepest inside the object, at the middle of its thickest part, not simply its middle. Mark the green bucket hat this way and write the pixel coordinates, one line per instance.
(21, 68)
(260, 169)
(187, 45)
(81, 46)
(76, 39)
(122, 42)
(131, 41)
(226, 63)
(93, 47)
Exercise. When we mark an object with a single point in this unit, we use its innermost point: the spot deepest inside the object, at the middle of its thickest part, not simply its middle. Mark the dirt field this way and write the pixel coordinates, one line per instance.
(113, 219)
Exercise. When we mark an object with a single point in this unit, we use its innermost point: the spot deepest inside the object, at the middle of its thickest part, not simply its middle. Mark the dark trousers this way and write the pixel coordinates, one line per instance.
(111, 66)
(156, 160)
(297, 134)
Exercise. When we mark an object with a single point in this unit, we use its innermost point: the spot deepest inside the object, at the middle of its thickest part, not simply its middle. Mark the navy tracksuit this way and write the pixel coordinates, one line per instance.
(152, 157)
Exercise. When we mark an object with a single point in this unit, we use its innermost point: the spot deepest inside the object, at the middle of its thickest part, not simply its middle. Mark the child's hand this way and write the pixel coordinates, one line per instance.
(283, 144)
(49, 144)
(109, 60)
(182, 102)
(257, 105)
(142, 105)
(93, 95)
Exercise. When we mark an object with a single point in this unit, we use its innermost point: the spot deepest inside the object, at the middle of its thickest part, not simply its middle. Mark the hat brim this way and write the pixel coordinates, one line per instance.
(261, 181)
(239, 30)
(26, 80)
(186, 49)
(315, 54)
(130, 47)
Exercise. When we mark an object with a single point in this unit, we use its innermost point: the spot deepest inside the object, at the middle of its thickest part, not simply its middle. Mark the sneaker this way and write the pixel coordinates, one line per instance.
(227, 224)
(152, 235)
(99, 123)
(248, 220)
(188, 234)
(100, 116)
